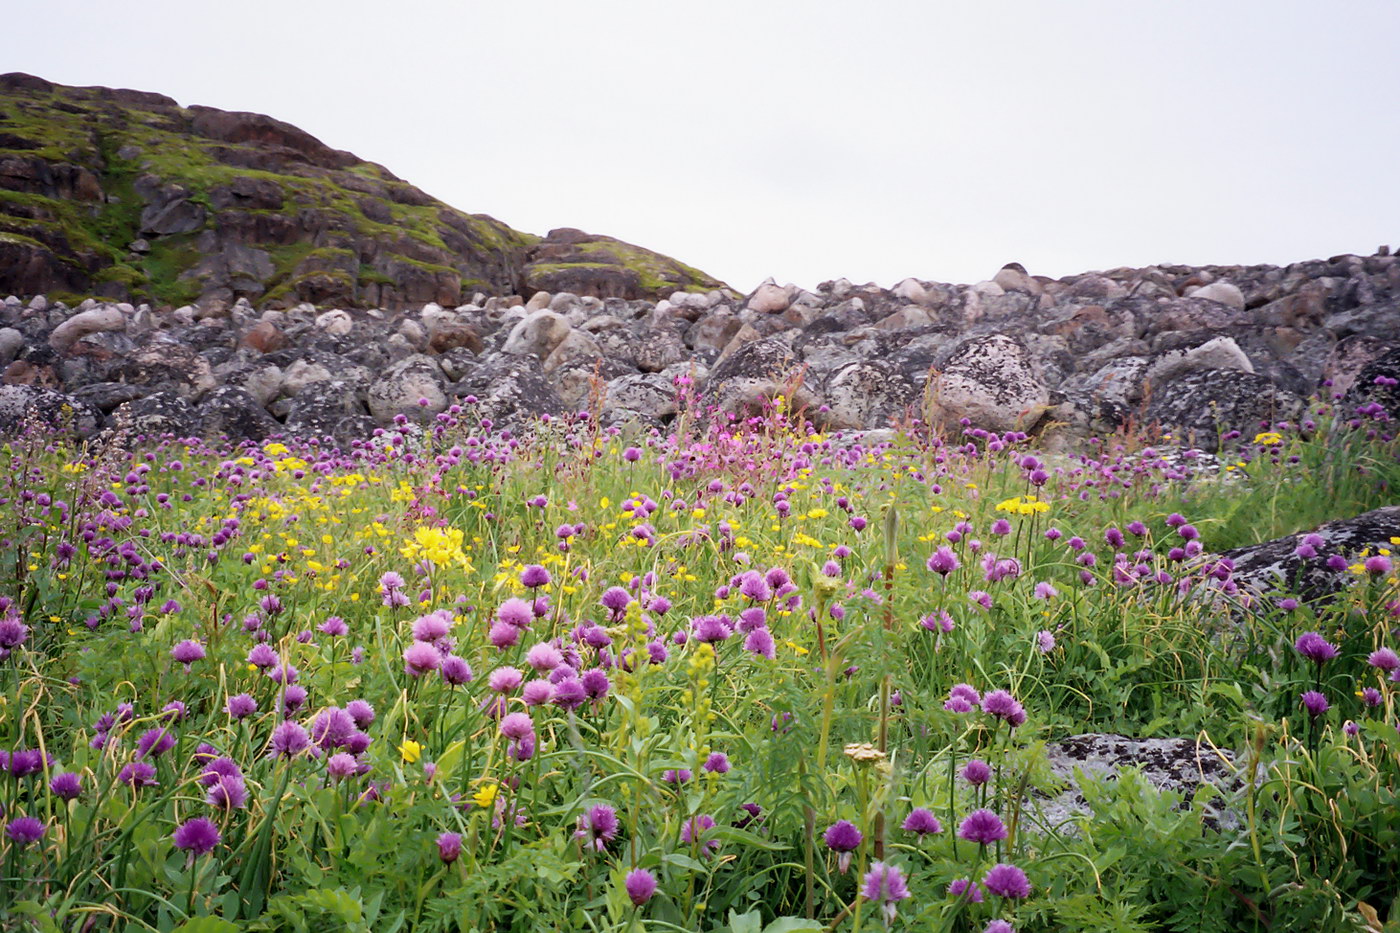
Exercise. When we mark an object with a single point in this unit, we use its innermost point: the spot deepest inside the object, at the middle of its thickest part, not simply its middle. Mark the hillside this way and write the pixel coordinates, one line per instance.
(125, 194)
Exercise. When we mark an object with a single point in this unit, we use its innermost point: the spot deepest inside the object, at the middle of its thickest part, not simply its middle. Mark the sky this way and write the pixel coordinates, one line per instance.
(814, 140)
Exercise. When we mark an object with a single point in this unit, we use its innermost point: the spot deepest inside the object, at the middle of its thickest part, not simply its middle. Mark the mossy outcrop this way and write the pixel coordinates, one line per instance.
(126, 194)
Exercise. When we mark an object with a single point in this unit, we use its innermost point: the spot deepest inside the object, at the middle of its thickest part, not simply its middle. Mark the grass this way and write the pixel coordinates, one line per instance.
(755, 591)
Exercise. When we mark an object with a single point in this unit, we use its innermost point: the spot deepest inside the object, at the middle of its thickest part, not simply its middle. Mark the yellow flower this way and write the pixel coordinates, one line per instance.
(1269, 438)
(1023, 505)
(485, 795)
(410, 750)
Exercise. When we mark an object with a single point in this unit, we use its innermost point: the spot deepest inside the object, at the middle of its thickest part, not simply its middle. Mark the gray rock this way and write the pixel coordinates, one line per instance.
(22, 405)
(80, 325)
(648, 394)
(867, 394)
(992, 382)
(233, 412)
(11, 341)
(509, 391)
(329, 409)
(411, 387)
(164, 413)
(537, 335)
(747, 381)
(1201, 406)
(1275, 566)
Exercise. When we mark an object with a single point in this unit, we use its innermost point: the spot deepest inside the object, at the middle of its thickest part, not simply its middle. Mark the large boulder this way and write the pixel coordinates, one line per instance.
(94, 320)
(537, 335)
(508, 391)
(22, 405)
(992, 382)
(1375, 394)
(411, 387)
(331, 408)
(867, 394)
(232, 411)
(163, 413)
(1199, 407)
(755, 374)
(1277, 566)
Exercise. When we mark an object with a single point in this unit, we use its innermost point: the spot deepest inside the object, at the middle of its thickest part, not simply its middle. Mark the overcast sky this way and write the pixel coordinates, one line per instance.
(810, 140)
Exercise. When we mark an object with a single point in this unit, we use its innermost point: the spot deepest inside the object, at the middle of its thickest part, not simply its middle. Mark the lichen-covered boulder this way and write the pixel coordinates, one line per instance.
(1199, 407)
(867, 394)
(750, 378)
(992, 382)
(1278, 566)
(92, 321)
(330, 408)
(537, 335)
(649, 394)
(22, 405)
(233, 412)
(1375, 395)
(154, 416)
(411, 387)
(509, 390)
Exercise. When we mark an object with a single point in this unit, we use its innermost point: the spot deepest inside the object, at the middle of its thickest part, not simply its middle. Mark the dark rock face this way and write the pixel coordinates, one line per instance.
(178, 204)
(1203, 405)
(1375, 394)
(1278, 566)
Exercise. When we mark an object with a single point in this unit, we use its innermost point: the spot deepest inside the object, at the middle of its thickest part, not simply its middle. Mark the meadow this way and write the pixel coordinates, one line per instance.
(745, 677)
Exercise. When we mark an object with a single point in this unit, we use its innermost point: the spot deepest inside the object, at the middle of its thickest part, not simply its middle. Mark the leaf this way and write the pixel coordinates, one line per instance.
(744, 837)
(792, 925)
(683, 861)
(750, 922)
(206, 925)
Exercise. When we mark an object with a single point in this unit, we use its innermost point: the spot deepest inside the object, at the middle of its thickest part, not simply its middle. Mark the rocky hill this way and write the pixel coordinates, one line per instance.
(1192, 352)
(126, 195)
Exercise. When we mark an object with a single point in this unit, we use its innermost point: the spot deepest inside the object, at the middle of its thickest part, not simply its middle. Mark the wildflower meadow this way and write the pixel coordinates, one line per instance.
(741, 677)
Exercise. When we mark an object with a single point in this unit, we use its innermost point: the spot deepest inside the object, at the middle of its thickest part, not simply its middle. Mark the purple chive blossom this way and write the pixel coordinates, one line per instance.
(361, 712)
(964, 888)
(420, 657)
(716, 763)
(455, 671)
(1003, 705)
(1005, 880)
(504, 679)
(516, 612)
(534, 576)
(616, 600)
(449, 847)
(1371, 696)
(432, 626)
(597, 827)
(262, 656)
(982, 827)
(137, 774)
(66, 785)
(1315, 648)
(1377, 565)
(241, 705)
(24, 830)
(289, 739)
(977, 772)
(334, 626)
(843, 838)
(187, 652)
(1045, 641)
(517, 726)
(962, 699)
(640, 885)
(1044, 590)
(760, 642)
(922, 822)
(536, 692)
(999, 926)
(228, 792)
(197, 836)
(1385, 659)
(943, 561)
(154, 742)
(544, 657)
(884, 885)
(697, 826)
(1315, 703)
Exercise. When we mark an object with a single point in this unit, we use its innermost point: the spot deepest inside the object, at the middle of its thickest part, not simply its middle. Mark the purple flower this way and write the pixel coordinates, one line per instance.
(187, 652)
(716, 763)
(676, 775)
(595, 683)
(332, 727)
(241, 705)
(516, 612)
(196, 836)
(1377, 565)
(843, 838)
(922, 822)
(1314, 647)
(504, 679)
(66, 785)
(982, 827)
(1003, 705)
(640, 885)
(696, 827)
(262, 656)
(1044, 590)
(884, 885)
(24, 830)
(569, 694)
(289, 739)
(503, 635)
(228, 792)
(597, 827)
(138, 774)
(536, 692)
(1315, 703)
(760, 642)
(977, 772)
(1371, 696)
(1007, 881)
(455, 671)
(449, 847)
(999, 926)
(712, 629)
(154, 742)
(1385, 659)
(334, 626)
(12, 633)
(944, 561)
(616, 600)
(964, 887)
(544, 657)
(420, 657)
(534, 576)
(517, 725)
(1045, 641)
(432, 626)
(755, 587)
(361, 712)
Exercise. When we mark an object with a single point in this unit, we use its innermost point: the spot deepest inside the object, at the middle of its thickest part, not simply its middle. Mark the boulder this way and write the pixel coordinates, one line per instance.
(154, 416)
(1217, 353)
(412, 387)
(1200, 406)
(537, 334)
(164, 365)
(991, 381)
(1376, 392)
(233, 412)
(768, 298)
(331, 408)
(80, 325)
(1223, 292)
(22, 405)
(1275, 567)
(747, 381)
(648, 394)
(11, 341)
(867, 394)
(508, 390)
